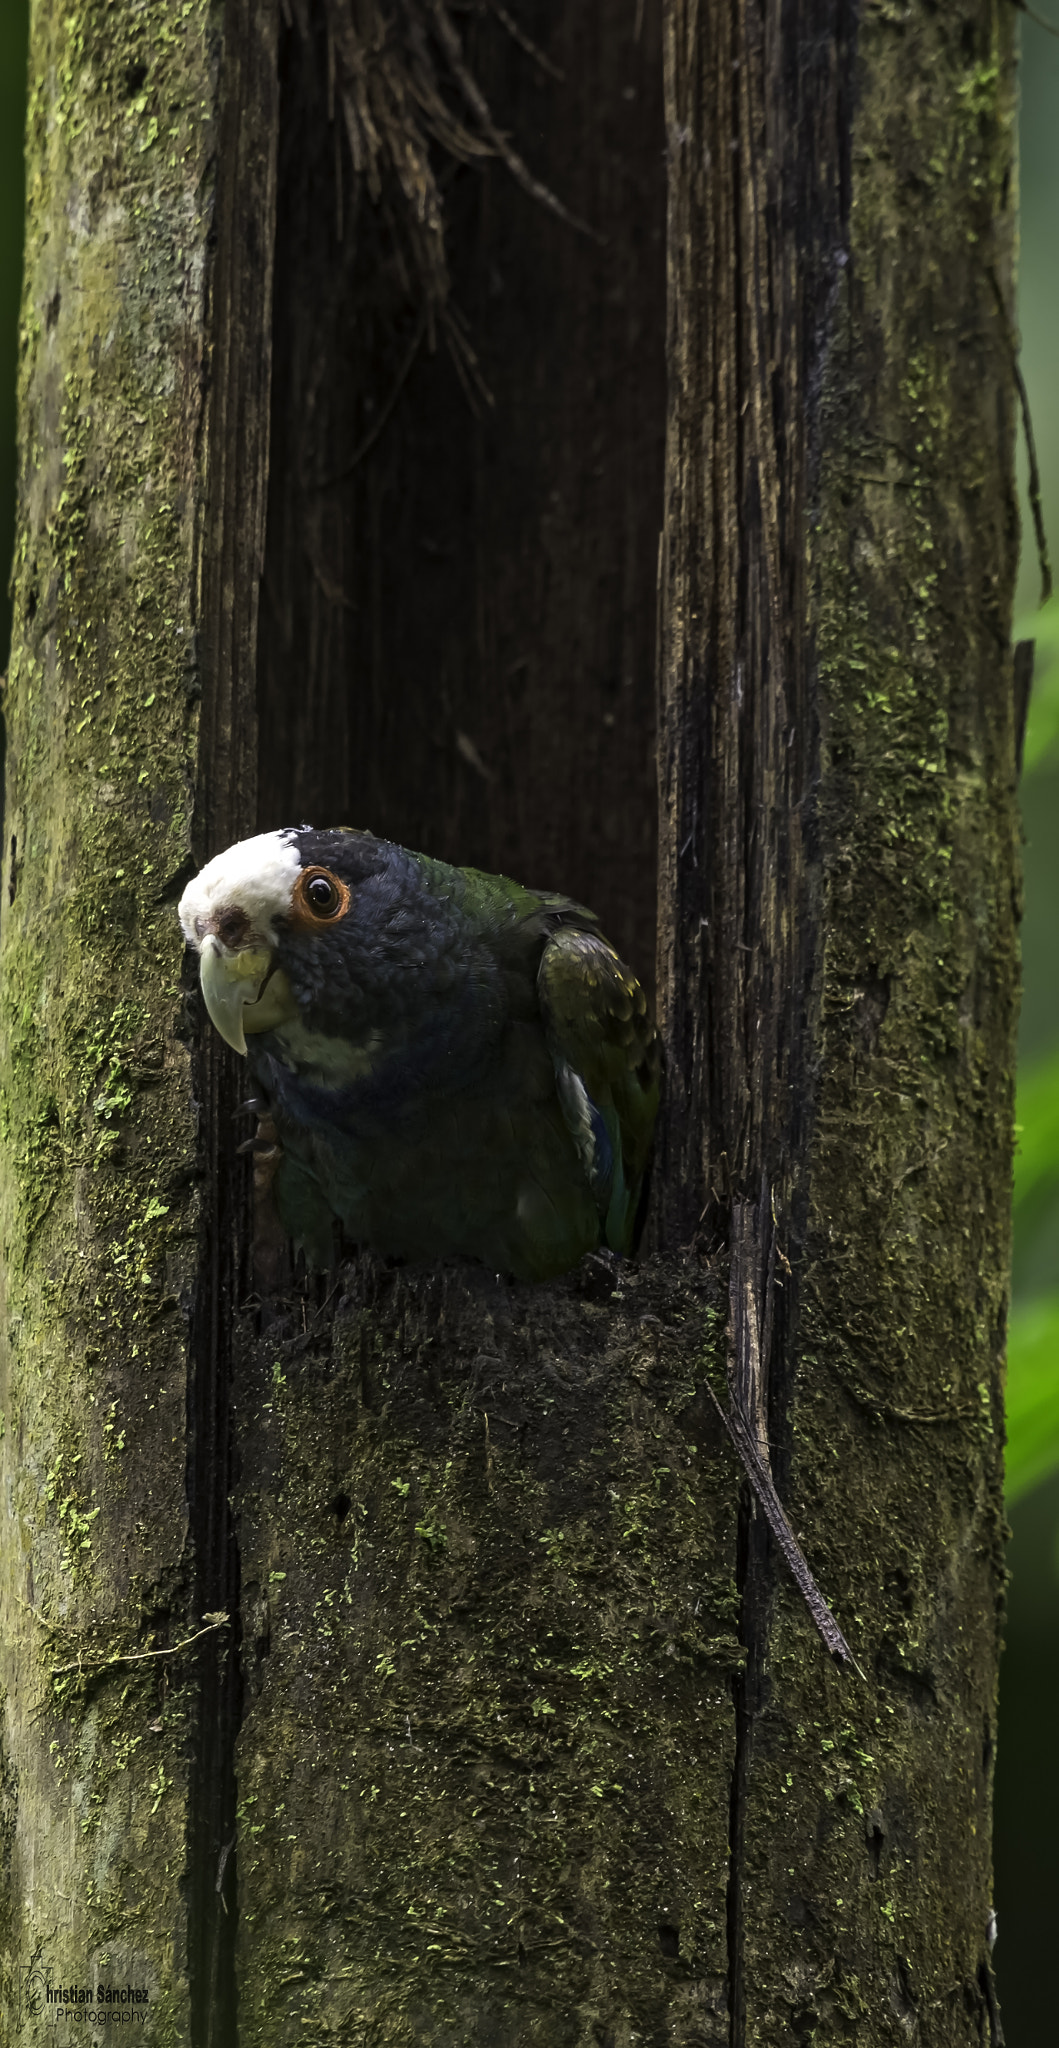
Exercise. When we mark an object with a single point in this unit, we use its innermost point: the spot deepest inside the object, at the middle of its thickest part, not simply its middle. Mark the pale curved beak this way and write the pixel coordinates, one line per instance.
(234, 991)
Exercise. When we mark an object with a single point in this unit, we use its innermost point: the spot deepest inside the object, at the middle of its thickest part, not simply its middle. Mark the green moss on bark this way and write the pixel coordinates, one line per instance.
(490, 1615)
(868, 1818)
(96, 1194)
(507, 1771)
(839, 965)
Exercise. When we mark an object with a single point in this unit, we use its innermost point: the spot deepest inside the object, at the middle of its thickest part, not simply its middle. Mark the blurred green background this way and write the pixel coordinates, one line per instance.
(1027, 1820)
(1027, 1807)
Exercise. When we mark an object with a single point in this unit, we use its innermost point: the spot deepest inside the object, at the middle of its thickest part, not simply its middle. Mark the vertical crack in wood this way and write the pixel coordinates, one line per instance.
(228, 578)
(215, 1570)
(752, 1280)
(748, 1301)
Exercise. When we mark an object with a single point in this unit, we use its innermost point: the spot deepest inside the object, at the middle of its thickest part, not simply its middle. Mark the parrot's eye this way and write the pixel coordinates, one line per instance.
(320, 897)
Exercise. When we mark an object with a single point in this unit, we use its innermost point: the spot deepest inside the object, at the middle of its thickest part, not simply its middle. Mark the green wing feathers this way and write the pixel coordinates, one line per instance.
(607, 1059)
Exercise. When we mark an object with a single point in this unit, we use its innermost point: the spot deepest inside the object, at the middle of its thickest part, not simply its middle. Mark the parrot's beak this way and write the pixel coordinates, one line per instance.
(243, 991)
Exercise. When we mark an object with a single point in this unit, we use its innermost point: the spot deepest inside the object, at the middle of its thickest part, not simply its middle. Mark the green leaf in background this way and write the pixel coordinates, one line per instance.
(1037, 1114)
(1042, 725)
(1033, 1395)
(1033, 1332)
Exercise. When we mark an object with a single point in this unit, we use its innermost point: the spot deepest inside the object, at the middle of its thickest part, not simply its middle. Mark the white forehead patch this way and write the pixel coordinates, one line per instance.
(256, 875)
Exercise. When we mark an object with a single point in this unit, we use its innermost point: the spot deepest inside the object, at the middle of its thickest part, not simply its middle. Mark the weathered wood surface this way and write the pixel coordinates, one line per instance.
(837, 961)
(97, 1196)
(398, 1486)
(487, 1539)
(135, 578)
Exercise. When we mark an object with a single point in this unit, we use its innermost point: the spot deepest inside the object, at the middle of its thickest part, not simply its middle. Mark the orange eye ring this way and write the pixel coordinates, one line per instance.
(319, 898)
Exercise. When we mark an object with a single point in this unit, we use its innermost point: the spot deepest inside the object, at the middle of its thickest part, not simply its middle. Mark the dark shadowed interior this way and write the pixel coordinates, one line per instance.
(457, 629)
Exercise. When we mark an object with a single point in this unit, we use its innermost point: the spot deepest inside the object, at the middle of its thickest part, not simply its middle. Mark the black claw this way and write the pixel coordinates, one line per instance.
(251, 1108)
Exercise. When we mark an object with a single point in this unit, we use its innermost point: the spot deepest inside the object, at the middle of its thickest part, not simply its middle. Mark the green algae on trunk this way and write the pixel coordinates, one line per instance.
(487, 1536)
(838, 959)
(98, 1168)
(537, 1741)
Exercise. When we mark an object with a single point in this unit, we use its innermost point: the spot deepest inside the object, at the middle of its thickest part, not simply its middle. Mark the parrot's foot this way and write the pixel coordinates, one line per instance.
(266, 1152)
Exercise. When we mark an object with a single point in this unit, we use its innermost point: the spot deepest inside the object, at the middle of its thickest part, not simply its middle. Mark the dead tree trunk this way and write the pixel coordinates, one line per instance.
(517, 1730)
(837, 891)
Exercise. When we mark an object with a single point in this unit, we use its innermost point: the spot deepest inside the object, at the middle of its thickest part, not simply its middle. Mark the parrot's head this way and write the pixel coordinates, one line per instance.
(277, 918)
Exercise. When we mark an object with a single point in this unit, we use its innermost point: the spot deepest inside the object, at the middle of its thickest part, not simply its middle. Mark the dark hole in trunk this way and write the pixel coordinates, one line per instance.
(456, 641)
(457, 630)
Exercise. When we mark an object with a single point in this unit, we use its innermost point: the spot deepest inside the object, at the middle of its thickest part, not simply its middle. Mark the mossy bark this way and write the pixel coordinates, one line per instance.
(99, 1139)
(487, 1539)
(529, 1737)
(838, 948)
(109, 1652)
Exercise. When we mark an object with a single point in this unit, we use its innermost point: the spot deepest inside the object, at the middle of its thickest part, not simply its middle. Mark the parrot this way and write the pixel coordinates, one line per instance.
(452, 1064)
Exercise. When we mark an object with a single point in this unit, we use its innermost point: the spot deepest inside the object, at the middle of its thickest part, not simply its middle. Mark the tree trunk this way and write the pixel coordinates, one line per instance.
(838, 945)
(518, 1730)
(143, 393)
